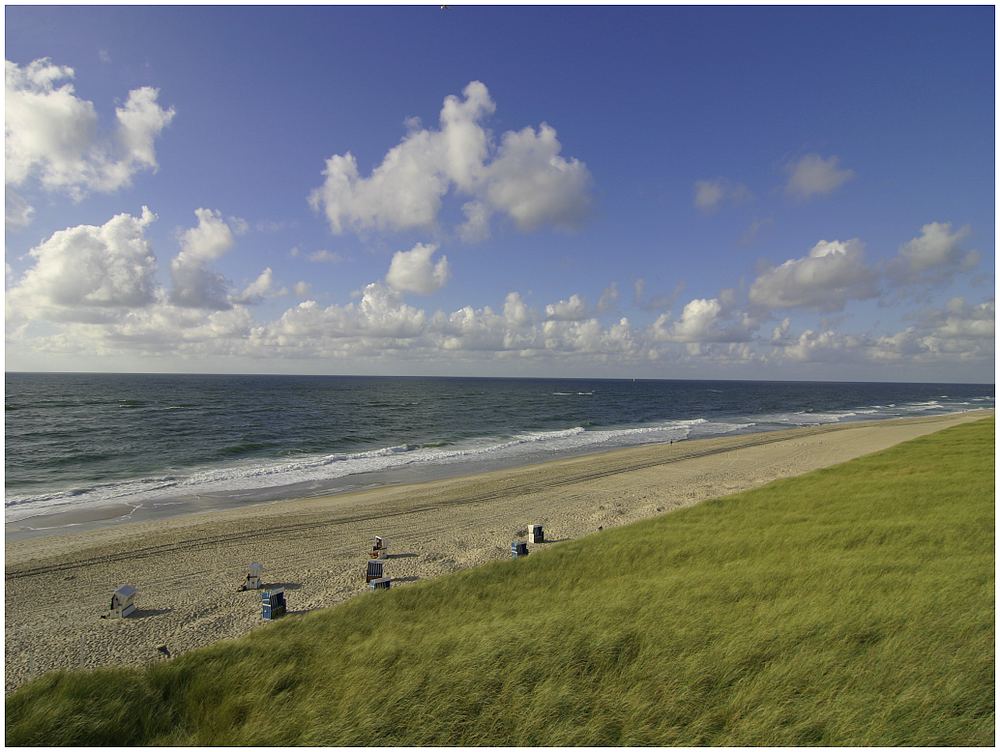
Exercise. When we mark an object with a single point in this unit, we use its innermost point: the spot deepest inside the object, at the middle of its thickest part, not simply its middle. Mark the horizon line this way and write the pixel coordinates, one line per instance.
(507, 378)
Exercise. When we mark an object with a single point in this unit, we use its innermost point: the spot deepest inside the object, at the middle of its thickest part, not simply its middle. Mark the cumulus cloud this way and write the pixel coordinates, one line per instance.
(260, 288)
(833, 273)
(588, 336)
(53, 135)
(825, 346)
(196, 285)
(515, 311)
(476, 227)
(710, 194)
(87, 272)
(525, 178)
(164, 327)
(415, 271)
(573, 309)
(380, 313)
(959, 320)
(779, 335)
(958, 332)
(472, 329)
(705, 320)
(534, 185)
(932, 257)
(813, 175)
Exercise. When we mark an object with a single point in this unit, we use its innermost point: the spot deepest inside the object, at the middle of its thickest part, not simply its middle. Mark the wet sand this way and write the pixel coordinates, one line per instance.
(188, 568)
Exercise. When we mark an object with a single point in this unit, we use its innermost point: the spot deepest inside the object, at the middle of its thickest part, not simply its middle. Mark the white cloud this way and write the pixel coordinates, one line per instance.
(825, 347)
(471, 329)
(88, 272)
(301, 289)
(932, 257)
(705, 320)
(779, 335)
(959, 332)
(527, 179)
(53, 135)
(476, 227)
(164, 327)
(813, 175)
(195, 284)
(588, 337)
(573, 309)
(260, 288)
(515, 311)
(833, 273)
(534, 185)
(17, 211)
(414, 270)
(238, 225)
(960, 321)
(710, 194)
(380, 313)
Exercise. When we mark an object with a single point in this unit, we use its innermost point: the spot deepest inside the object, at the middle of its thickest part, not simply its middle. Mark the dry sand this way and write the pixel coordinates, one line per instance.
(187, 568)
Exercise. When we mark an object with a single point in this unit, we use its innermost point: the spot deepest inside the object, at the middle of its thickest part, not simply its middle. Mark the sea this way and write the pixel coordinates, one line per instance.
(162, 442)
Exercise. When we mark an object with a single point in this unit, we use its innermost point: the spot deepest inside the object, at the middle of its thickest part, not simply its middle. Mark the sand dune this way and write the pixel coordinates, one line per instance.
(187, 569)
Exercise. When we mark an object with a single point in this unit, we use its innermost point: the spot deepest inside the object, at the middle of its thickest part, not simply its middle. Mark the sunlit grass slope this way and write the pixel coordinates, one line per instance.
(851, 606)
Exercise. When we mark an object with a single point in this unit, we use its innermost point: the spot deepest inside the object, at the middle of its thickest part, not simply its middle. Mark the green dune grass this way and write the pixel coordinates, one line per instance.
(850, 606)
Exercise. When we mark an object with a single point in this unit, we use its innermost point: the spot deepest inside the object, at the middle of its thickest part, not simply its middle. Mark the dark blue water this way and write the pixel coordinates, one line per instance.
(89, 439)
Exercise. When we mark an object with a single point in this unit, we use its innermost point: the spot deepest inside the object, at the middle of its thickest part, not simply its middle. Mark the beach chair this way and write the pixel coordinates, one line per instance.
(518, 549)
(272, 603)
(379, 548)
(536, 534)
(253, 581)
(382, 583)
(122, 602)
(375, 571)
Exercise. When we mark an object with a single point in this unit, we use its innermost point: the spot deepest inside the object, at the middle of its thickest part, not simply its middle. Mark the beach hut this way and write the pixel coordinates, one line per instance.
(382, 583)
(272, 603)
(518, 549)
(536, 534)
(375, 570)
(122, 602)
(253, 581)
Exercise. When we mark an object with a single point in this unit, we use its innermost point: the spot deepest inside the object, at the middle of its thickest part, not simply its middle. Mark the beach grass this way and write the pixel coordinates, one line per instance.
(850, 606)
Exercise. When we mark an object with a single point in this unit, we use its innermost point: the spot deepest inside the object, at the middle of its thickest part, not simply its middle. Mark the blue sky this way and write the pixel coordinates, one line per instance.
(771, 192)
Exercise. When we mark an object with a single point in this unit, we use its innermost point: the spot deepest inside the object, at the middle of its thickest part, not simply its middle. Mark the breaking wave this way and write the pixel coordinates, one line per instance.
(240, 475)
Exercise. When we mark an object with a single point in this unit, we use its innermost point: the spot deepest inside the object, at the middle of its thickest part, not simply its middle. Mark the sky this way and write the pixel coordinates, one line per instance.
(654, 192)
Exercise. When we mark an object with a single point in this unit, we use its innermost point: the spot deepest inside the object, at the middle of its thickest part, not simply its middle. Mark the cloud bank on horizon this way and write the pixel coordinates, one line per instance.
(433, 212)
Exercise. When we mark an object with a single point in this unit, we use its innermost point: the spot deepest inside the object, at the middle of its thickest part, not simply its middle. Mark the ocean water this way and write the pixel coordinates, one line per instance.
(87, 440)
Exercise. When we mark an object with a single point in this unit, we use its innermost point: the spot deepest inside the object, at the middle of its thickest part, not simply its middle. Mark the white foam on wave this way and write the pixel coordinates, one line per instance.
(242, 476)
(803, 418)
(253, 475)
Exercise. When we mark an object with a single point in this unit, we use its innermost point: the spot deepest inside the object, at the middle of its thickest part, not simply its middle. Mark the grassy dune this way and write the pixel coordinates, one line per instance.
(851, 606)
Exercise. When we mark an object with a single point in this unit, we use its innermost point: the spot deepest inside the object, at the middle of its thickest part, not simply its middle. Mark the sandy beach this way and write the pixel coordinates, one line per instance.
(187, 569)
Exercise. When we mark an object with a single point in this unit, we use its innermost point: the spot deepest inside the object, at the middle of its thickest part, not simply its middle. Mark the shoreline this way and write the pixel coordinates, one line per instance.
(187, 567)
(127, 510)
